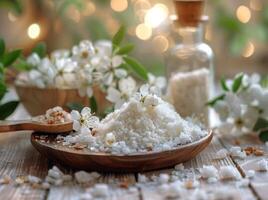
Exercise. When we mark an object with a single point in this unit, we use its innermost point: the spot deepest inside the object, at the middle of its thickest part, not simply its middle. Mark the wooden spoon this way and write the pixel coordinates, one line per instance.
(33, 125)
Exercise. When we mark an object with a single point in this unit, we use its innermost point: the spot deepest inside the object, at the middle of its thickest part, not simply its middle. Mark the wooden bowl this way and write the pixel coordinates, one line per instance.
(37, 101)
(106, 162)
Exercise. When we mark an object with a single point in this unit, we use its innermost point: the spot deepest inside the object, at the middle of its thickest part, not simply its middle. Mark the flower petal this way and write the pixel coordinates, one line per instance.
(86, 111)
(117, 61)
(75, 115)
(113, 95)
(76, 125)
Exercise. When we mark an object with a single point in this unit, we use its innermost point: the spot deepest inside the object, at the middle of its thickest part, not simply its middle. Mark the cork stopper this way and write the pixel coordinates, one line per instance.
(189, 12)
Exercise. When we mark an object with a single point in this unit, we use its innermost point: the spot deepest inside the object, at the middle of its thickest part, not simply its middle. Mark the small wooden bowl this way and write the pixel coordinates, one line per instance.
(37, 101)
(106, 162)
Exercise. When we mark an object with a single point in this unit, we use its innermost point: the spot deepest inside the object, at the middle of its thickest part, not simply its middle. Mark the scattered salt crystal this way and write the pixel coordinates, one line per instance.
(242, 183)
(266, 144)
(85, 177)
(209, 171)
(163, 178)
(237, 152)
(54, 174)
(33, 179)
(250, 173)
(229, 172)
(58, 182)
(142, 178)
(179, 167)
(221, 154)
(45, 185)
(262, 165)
(100, 190)
(211, 180)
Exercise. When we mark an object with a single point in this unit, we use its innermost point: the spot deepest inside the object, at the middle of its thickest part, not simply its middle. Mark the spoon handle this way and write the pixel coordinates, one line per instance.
(19, 125)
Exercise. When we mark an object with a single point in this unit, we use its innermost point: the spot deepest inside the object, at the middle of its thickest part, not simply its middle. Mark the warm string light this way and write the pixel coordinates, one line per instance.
(243, 14)
(143, 31)
(34, 31)
(156, 15)
(249, 50)
(161, 43)
(12, 17)
(119, 5)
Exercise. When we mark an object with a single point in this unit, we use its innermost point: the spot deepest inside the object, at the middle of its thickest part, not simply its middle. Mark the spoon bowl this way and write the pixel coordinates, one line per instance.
(33, 125)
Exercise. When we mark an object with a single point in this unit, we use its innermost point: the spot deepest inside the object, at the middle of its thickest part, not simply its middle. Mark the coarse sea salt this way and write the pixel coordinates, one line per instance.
(137, 127)
(209, 171)
(54, 115)
(262, 165)
(237, 152)
(229, 172)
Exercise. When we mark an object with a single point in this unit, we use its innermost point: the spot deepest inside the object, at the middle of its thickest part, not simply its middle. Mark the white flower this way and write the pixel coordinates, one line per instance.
(83, 52)
(65, 76)
(85, 121)
(33, 59)
(85, 81)
(60, 53)
(250, 80)
(222, 109)
(103, 47)
(127, 88)
(113, 71)
(159, 82)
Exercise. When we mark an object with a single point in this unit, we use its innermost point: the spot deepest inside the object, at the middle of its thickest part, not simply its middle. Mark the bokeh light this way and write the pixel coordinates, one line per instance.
(12, 17)
(143, 31)
(243, 13)
(89, 9)
(156, 15)
(161, 43)
(34, 31)
(119, 5)
(249, 50)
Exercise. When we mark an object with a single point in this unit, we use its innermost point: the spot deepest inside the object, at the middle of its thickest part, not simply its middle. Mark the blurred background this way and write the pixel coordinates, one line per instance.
(237, 30)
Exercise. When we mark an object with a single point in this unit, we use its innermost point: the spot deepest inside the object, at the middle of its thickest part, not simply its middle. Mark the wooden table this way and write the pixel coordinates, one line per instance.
(19, 158)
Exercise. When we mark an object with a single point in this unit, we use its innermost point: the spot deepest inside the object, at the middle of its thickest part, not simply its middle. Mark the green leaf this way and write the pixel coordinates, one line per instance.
(224, 85)
(118, 37)
(212, 102)
(22, 65)
(10, 57)
(264, 135)
(237, 82)
(264, 82)
(2, 47)
(3, 90)
(136, 67)
(40, 49)
(7, 109)
(93, 104)
(125, 49)
(260, 124)
(75, 106)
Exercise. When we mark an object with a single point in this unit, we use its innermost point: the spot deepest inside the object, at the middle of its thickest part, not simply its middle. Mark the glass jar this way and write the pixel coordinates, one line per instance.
(189, 71)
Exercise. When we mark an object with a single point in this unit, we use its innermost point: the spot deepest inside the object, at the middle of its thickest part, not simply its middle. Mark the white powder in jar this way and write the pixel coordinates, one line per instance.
(189, 93)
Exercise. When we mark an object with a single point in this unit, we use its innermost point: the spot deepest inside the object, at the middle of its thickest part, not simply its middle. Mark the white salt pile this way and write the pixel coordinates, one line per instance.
(145, 123)
(189, 92)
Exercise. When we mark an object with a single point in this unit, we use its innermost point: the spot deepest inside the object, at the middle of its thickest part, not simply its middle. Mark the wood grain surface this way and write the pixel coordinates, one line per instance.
(18, 157)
